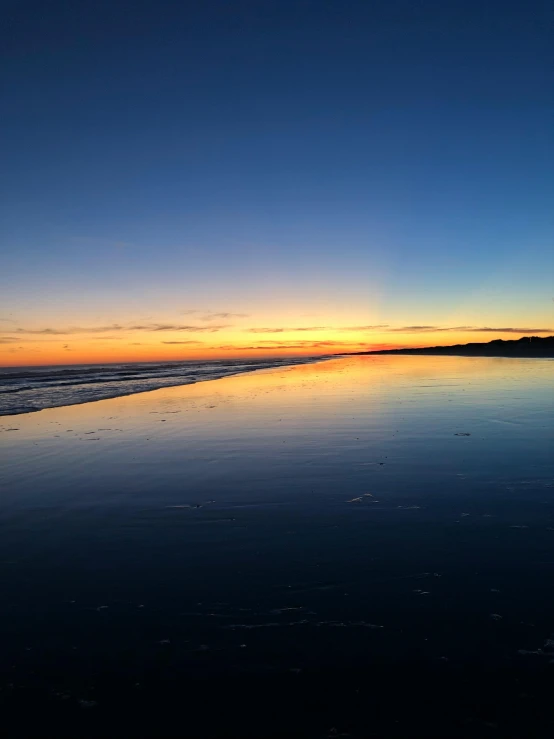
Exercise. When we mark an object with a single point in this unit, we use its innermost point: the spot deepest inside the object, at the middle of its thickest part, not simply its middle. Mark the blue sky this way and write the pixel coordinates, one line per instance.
(384, 162)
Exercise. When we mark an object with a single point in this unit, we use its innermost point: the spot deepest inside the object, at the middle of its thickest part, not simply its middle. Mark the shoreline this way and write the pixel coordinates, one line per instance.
(181, 383)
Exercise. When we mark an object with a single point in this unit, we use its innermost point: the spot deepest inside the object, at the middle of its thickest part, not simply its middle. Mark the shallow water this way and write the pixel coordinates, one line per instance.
(364, 545)
(28, 389)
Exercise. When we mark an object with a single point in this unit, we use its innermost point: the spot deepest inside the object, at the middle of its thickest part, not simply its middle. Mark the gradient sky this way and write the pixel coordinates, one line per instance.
(206, 179)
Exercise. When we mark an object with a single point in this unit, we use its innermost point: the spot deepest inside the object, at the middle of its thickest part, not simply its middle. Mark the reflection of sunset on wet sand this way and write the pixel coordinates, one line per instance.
(295, 521)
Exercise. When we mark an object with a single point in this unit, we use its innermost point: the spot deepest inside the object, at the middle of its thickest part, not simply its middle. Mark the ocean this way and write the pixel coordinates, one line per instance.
(28, 389)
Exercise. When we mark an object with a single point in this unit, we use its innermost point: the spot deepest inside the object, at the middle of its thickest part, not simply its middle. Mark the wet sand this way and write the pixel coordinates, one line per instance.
(358, 547)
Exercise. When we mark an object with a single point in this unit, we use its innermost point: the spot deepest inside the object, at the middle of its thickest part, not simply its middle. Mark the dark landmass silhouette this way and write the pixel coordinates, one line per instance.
(528, 346)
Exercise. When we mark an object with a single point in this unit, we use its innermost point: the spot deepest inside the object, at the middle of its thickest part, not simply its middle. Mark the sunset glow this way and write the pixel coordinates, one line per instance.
(210, 340)
(248, 192)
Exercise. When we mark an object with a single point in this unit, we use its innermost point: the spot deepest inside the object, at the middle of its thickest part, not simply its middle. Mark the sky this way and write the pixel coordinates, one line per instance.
(189, 180)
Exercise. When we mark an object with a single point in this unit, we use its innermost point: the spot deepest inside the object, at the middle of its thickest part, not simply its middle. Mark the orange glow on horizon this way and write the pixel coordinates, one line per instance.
(210, 336)
(85, 351)
(98, 355)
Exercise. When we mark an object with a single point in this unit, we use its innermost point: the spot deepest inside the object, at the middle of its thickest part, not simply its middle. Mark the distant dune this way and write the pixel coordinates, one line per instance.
(528, 346)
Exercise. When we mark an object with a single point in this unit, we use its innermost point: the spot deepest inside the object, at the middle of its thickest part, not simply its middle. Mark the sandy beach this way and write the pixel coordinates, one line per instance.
(295, 551)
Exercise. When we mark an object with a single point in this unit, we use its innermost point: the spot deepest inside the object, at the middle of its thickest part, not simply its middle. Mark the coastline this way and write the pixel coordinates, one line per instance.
(107, 388)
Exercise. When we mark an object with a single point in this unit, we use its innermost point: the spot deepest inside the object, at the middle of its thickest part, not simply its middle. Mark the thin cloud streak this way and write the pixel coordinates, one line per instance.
(472, 329)
(414, 329)
(172, 327)
(206, 315)
(364, 328)
(511, 330)
(276, 345)
(370, 327)
(154, 327)
(284, 330)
